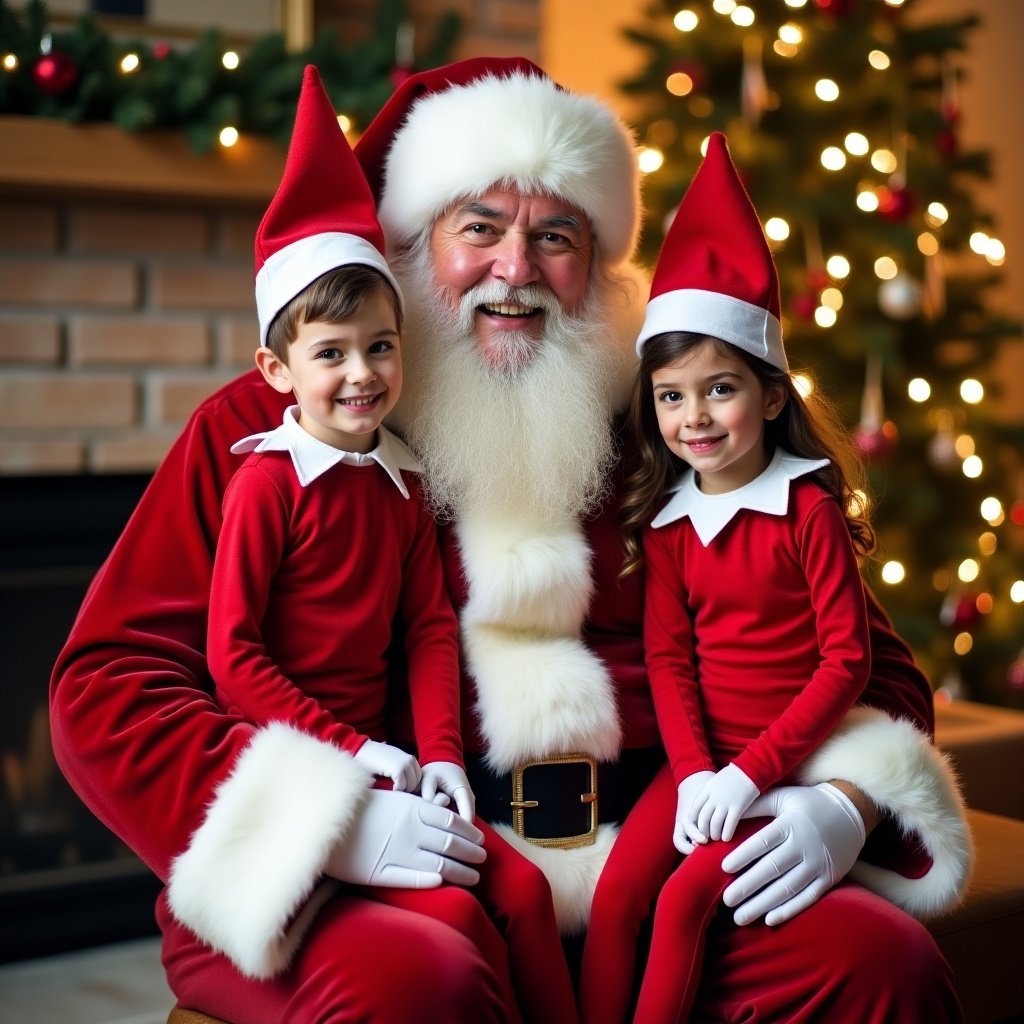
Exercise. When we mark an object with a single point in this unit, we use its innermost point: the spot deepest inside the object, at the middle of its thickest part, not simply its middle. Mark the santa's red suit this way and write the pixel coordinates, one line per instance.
(240, 818)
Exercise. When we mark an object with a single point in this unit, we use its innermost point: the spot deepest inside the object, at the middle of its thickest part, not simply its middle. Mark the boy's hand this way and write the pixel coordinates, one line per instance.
(449, 779)
(686, 833)
(721, 803)
(392, 762)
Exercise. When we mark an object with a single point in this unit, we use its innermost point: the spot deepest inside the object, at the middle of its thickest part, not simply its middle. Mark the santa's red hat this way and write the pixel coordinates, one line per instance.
(460, 130)
(322, 216)
(715, 274)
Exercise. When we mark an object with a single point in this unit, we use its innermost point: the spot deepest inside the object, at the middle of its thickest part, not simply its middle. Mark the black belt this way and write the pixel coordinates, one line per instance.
(559, 801)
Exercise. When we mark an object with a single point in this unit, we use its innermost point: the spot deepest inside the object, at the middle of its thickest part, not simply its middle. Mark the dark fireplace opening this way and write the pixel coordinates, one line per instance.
(66, 882)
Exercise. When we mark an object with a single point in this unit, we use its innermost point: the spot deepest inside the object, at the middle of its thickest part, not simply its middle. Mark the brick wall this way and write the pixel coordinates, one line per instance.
(116, 319)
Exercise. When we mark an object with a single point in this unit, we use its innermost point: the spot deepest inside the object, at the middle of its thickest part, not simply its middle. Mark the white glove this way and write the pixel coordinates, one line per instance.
(813, 842)
(402, 841)
(686, 832)
(447, 778)
(392, 762)
(719, 806)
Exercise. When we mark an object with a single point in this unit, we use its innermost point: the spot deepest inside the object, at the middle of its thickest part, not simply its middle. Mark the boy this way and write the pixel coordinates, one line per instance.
(328, 555)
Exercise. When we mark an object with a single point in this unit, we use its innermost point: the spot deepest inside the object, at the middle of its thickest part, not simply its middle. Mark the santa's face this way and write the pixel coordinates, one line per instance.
(510, 256)
(530, 434)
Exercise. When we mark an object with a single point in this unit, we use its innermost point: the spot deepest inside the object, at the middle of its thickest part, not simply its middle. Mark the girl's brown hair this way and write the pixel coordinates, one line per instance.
(332, 298)
(807, 427)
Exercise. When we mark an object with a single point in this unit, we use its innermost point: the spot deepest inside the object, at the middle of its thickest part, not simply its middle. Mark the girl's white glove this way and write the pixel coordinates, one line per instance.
(402, 841)
(443, 777)
(719, 806)
(391, 762)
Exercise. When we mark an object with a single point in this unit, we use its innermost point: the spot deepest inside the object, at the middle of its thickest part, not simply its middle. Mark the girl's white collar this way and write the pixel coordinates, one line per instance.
(710, 513)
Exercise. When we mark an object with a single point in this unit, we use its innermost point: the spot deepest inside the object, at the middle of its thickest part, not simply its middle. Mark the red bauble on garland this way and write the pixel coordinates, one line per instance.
(54, 73)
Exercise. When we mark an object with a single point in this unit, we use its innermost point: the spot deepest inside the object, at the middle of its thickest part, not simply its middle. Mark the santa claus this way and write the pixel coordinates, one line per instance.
(511, 210)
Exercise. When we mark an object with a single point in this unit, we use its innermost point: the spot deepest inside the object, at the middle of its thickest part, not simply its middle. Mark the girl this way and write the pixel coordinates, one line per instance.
(756, 629)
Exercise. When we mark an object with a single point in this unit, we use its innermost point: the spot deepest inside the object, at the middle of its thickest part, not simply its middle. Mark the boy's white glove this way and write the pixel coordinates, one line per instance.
(686, 833)
(443, 777)
(401, 841)
(391, 762)
(815, 839)
(719, 806)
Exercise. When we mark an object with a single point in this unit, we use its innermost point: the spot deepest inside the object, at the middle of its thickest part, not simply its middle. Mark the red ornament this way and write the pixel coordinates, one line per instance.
(161, 50)
(818, 279)
(694, 71)
(1017, 513)
(895, 203)
(946, 142)
(1015, 674)
(837, 8)
(960, 612)
(804, 306)
(400, 75)
(54, 73)
(875, 444)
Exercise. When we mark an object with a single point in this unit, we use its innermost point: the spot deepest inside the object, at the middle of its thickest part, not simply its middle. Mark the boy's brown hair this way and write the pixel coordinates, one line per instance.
(333, 298)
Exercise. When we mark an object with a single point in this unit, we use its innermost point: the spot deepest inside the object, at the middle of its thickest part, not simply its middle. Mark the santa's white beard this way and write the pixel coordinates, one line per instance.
(532, 436)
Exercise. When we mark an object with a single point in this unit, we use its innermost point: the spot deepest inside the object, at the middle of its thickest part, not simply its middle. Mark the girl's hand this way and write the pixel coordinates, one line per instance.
(721, 803)
(449, 779)
(686, 833)
(392, 762)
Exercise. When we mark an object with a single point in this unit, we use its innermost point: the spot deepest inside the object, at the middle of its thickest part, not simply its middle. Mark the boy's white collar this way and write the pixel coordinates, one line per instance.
(312, 458)
(710, 513)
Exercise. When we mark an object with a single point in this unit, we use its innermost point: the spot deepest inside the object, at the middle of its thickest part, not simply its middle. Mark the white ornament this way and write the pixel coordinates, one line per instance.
(900, 297)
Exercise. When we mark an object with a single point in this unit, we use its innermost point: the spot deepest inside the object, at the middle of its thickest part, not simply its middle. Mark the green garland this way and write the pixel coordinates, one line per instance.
(189, 89)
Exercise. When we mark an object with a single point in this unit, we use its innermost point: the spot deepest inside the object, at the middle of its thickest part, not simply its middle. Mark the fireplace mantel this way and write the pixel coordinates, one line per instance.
(42, 156)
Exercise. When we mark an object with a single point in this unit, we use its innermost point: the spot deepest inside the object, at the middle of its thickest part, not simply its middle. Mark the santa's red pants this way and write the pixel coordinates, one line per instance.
(401, 956)
(852, 957)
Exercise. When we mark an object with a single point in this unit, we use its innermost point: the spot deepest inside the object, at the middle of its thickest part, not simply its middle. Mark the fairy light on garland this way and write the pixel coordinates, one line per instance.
(10, 62)
(228, 136)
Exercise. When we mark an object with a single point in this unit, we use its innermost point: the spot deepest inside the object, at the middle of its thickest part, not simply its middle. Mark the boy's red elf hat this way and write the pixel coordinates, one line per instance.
(322, 215)
(716, 275)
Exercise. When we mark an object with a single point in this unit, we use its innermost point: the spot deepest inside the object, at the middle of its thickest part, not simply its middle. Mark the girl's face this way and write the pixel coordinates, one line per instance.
(711, 412)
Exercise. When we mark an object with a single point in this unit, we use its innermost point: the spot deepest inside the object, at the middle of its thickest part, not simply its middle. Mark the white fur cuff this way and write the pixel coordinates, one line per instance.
(905, 775)
(248, 883)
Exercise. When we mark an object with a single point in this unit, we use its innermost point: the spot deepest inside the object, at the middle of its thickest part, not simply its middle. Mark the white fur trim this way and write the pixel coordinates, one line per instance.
(289, 270)
(743, 324)
(538, 696)
(523, 577)
(248, 883)
(905, 775)
(572, 874)
(520, 130)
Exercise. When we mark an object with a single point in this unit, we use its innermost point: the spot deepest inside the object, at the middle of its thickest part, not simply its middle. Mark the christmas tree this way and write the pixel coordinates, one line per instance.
(843, 116)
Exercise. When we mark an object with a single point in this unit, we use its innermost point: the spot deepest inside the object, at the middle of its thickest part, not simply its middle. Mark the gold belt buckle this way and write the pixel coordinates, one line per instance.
(520, 804)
